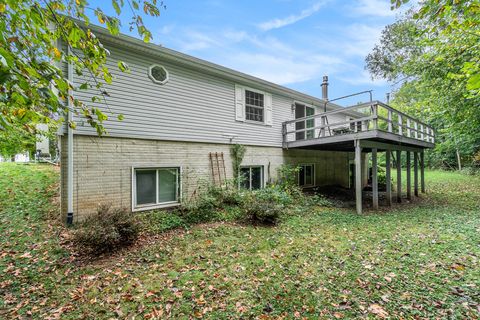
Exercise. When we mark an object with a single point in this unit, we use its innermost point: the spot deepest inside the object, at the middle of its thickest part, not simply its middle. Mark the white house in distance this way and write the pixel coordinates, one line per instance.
(181, 117)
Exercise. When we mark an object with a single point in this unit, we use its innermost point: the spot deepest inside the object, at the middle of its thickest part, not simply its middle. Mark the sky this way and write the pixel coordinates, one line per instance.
(291, 43)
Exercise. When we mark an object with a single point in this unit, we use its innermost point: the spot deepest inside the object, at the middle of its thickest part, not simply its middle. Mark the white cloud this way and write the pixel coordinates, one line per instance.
(362, 77)
(284, 69)
(376, 8)
(360, 39)
(282, 22)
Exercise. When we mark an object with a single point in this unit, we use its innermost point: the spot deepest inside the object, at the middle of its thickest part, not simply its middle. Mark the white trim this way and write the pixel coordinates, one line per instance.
(167, 75)
(157, 205)
(313, 177)
(263, 108)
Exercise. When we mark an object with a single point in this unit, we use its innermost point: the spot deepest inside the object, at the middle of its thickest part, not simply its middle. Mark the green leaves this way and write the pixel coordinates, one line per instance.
(123, 66)
(33, 56)
(433, 53)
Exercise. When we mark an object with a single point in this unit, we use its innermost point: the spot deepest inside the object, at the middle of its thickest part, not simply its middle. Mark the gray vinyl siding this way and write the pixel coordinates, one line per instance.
(192, 106)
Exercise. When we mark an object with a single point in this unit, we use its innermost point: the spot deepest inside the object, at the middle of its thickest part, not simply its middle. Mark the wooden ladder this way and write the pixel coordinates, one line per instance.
(217, 163)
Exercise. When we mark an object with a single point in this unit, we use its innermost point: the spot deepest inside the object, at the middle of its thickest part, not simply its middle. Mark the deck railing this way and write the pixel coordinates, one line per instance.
(360, 118)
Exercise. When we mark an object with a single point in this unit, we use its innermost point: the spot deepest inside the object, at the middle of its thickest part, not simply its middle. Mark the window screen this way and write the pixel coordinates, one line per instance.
(167, 185)
(146, 191)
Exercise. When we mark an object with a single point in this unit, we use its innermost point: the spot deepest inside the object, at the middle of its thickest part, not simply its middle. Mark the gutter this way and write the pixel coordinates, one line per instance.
(70, 147)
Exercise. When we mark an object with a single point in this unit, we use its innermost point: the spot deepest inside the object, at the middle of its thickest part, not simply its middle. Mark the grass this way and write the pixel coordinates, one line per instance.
(415, 261)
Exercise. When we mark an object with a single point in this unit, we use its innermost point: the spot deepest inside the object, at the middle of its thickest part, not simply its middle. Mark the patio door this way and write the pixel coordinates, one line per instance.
(302, 111)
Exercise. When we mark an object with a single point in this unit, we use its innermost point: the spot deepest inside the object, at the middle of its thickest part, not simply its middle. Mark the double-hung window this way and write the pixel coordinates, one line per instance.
(251, 177)
(254, 106)
(155, 187)
(306, 175)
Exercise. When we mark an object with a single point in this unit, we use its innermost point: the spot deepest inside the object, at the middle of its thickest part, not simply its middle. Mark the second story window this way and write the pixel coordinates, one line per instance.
(254, 105)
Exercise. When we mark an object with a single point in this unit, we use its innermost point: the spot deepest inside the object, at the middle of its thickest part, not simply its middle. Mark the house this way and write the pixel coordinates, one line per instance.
(181, 117)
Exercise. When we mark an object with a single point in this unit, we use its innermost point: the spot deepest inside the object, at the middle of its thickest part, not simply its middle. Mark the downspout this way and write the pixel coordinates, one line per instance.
(70, 146)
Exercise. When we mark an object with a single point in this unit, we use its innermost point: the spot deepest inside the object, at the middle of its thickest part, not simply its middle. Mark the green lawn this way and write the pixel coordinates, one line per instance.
(416, 261)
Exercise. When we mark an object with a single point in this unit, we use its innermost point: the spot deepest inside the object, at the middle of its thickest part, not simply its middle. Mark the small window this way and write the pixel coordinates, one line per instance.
(251, 177)
(306, 175)
(254, 104)
(156, 186)
(158, 74)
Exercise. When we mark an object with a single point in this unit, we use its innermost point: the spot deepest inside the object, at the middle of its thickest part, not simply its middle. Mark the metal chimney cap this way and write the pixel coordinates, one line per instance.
(325, 78)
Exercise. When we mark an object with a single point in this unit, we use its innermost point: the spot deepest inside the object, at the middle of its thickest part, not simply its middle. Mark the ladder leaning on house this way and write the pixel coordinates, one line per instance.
(217, 163)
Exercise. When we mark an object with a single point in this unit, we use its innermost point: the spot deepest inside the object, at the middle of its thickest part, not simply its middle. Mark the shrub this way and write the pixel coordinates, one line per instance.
(263, 212)
(106, 230)
(159, 221)
(266, 206)
(318, 200)
(287, 178)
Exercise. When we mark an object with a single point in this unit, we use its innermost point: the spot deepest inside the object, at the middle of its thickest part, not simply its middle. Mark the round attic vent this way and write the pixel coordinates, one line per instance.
(158, 74)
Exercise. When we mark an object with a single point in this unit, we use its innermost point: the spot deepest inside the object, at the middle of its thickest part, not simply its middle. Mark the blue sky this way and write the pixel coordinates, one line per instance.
(292, 43)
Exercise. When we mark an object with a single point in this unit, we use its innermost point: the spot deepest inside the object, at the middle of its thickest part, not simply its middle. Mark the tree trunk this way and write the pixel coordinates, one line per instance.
(459, 160)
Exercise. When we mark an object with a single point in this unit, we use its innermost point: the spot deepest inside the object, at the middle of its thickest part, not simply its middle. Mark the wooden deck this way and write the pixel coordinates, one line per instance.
(373, 122)
(369, 128)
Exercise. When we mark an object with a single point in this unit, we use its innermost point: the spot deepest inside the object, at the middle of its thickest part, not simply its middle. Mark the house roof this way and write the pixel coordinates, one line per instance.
(205, 66)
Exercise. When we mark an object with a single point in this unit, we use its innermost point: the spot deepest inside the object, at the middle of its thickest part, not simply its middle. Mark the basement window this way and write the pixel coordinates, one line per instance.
(306, 175)
(158, 74)
(251, 177)
(155, 187)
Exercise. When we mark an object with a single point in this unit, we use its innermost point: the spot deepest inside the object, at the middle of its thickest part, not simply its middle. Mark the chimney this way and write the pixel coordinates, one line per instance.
(325, 88)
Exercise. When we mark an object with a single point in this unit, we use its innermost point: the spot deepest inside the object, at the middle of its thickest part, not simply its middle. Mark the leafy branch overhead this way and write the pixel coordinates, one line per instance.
(37, 39)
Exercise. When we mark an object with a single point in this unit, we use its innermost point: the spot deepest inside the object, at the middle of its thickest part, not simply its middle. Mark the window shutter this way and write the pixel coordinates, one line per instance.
(239, 103)
(268, 109)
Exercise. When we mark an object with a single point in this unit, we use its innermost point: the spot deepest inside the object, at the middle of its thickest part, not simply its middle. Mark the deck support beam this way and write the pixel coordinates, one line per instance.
(358, 176)
(422, 171)
(374, 179)
(399, 176)
(415, 173)
(409, 177)
(388, 176)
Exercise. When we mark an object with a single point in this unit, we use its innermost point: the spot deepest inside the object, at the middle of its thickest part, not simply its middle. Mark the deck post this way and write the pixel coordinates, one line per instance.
(388, 176)
(409, 131)
(409, 177)
(400, 125)
(399, 176)
(374, 179)
(375, 116)
(422, 171)
(358, 176)
(390, 124)
(322, 129)
(415, 173)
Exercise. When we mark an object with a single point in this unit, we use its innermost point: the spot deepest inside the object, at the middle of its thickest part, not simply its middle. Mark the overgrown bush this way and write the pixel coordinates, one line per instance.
(213, 204)
(265, 206)
(106, 230)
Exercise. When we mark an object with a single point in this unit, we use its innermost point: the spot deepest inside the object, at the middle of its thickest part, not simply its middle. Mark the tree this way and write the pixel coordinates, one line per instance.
(433, 53)
(32, 87)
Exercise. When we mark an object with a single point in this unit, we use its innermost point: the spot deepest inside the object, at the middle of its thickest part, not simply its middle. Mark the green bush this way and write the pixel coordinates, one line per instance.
(106, 230)
(159, 221)
(266, 206)
(318, 200)
(213, 204)
(262, 211)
